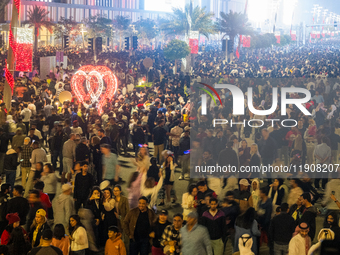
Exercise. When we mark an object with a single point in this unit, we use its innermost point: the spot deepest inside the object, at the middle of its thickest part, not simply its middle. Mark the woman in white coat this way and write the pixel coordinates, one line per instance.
(189, 200)
(78, 236)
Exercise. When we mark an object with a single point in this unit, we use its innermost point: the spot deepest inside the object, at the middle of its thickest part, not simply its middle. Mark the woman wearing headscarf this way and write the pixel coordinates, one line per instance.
(277, 193)
(255, 193)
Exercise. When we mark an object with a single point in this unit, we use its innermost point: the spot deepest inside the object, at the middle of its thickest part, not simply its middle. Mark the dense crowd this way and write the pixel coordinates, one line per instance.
(159, 110)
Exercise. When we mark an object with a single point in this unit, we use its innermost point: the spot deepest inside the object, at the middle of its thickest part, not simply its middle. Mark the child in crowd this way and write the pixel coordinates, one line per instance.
(114, 245)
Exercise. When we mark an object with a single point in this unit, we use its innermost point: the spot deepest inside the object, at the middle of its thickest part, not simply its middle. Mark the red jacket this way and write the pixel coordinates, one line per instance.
(45, 201)
(6, 236)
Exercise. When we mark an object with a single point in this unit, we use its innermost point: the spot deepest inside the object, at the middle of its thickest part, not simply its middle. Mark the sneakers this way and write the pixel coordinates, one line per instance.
(180, 177)
(161, 204)
(187, 176)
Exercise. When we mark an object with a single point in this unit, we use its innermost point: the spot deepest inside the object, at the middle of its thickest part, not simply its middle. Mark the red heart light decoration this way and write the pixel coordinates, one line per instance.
(94, 78)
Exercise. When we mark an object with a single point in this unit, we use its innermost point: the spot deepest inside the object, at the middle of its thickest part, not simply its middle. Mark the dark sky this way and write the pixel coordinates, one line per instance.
(307, 5)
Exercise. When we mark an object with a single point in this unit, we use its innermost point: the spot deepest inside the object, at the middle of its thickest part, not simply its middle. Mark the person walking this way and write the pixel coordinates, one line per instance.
(26, 155)
(69, 157)
(38, 155)
(300, 244)
(281, 230)
(195, 238)
(63, 206)
(137, 225)
(215, 221)
(10, 165)
(111, 168)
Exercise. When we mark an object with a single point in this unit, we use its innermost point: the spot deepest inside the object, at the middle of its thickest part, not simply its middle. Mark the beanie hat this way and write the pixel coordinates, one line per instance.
(12, 217)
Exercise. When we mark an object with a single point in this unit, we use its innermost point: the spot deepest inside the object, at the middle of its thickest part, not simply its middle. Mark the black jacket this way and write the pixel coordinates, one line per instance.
(138, 135)
(31, 214)
(39, 234)
(281, 228)
(216, 225)
(228, 157)
(19, 205)
(3, 143)
(184, 144)
(158, 228)
(82, 152)
(91, 204)
(82, 186)
(11, 160)
(309, 217)
(3, 206)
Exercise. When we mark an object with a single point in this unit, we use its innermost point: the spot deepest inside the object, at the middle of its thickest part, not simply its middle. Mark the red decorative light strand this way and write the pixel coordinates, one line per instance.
(12, 42)
(9, 78)
(17, 5)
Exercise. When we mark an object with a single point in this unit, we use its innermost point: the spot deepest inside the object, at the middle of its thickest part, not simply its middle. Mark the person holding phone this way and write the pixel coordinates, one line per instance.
(94, 204)
(332, 189)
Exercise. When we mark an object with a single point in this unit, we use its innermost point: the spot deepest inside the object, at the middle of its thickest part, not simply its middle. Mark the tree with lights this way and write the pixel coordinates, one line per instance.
(66, 27)
(181, 22)
(37, 18)
(233, 24)
(147, 29)
(121, 23)
(175, 50)
(194, 19)
(98, 26)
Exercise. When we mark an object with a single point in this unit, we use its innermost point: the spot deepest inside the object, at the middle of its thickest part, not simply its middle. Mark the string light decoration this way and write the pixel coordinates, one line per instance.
(17, 5)
(94, 77)
(9, 78)
(24, 49)
(24, 57)
(12, 44)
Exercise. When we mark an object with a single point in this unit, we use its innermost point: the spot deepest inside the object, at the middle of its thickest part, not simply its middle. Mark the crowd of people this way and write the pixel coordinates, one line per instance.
(71, 198)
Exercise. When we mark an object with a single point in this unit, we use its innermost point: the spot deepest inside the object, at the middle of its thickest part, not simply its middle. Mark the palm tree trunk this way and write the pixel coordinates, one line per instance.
(10, 59)
(36, 40)
(120, 40)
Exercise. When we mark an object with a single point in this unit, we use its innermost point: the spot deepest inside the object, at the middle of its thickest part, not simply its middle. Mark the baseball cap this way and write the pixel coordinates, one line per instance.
(165, 212)
(41, 212)
(66, 187)
(47, 234)
(104, 184)
(75, 121)
(244, 182)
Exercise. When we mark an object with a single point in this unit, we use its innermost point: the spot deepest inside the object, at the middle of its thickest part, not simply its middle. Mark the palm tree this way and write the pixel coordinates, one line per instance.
(37, 17)
(122, 24)
(147, 29)
(233, 24)
(3, 5)
(194, 19)
(191, 19)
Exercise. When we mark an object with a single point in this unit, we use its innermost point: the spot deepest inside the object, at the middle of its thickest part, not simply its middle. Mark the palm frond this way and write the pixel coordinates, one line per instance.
(38, 17)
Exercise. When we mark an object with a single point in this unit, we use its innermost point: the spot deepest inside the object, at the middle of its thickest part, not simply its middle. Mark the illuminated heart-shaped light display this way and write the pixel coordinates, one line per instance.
(94, 78)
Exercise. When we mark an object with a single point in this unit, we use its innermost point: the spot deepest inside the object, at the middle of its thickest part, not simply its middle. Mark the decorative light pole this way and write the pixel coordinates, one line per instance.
(9, 71)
